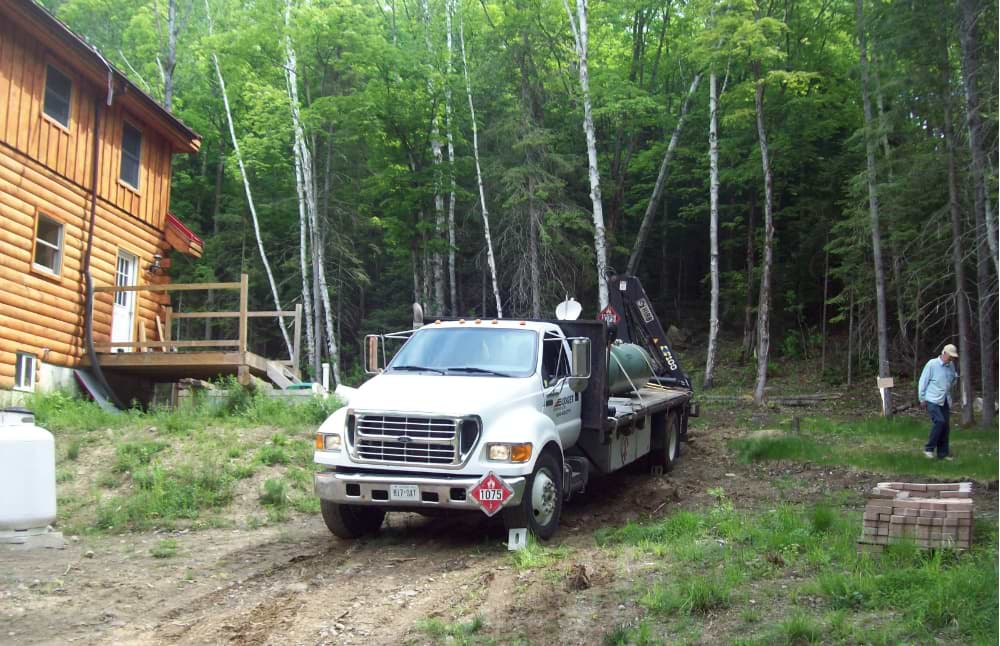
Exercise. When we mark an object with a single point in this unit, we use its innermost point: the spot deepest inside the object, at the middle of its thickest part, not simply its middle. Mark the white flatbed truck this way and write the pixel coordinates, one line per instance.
(503, 416)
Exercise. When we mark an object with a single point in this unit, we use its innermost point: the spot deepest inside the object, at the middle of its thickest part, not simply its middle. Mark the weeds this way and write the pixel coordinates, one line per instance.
(165, 549)
(458, 632)
(535, 555)
(162, 495)
(708, 557)
(275, 494)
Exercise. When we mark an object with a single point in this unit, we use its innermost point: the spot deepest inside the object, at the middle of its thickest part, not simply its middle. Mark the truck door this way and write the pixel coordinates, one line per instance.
(562, 405)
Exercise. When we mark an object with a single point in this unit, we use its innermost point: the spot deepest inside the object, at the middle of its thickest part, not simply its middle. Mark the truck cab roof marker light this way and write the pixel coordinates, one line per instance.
(437, 322)
(461, 321)
(494, 321)
(478, 321)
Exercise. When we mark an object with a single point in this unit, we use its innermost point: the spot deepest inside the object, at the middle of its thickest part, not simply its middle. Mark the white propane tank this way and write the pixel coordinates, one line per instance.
(27, 472)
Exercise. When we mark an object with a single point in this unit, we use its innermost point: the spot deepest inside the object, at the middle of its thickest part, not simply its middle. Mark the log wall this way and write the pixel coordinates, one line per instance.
(67, 150)
(46, 169)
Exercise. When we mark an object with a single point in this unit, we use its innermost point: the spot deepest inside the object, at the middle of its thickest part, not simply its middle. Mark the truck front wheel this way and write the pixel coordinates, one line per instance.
(541, 503)
(351, 521)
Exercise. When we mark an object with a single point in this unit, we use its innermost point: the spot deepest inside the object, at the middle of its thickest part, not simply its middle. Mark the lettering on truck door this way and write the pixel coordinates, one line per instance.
(562, 405)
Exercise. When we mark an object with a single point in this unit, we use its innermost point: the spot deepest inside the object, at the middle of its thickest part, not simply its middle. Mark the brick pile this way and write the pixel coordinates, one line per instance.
(929, 515)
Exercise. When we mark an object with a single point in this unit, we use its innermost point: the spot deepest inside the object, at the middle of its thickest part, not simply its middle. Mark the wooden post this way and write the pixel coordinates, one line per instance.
(297, 343)
(244, 282)
(168, 323)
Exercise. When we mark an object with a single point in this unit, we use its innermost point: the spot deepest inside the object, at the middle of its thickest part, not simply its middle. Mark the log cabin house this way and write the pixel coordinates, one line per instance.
(85, 170)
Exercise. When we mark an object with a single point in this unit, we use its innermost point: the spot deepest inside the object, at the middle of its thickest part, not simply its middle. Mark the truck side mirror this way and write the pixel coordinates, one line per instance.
(579, 365)
(372, 364)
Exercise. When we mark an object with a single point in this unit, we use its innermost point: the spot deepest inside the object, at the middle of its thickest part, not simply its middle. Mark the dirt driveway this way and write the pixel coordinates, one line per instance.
(296, 584)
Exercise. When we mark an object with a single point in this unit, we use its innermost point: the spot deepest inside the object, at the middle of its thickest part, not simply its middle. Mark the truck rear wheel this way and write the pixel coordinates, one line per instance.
(351, 521)
(665, 446)
(541, 503)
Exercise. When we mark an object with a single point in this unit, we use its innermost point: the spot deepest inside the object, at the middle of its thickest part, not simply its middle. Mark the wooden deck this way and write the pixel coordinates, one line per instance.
(171, 366)
(169, 359)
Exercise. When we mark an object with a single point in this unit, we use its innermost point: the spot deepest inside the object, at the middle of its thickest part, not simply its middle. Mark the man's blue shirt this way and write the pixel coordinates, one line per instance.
(936, 381)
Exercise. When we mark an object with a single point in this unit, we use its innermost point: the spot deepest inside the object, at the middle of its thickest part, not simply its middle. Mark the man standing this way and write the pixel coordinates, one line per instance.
(935, 395)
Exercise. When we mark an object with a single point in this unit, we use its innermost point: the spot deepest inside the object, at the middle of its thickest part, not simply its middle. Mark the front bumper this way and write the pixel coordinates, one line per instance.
(435, 493)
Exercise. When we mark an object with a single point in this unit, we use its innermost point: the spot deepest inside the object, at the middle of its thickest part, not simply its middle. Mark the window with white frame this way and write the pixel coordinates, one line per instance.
(48, 244)
(58, 90)
(24, 372)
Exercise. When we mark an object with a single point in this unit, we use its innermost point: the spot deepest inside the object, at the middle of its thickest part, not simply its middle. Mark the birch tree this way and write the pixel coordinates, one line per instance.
(713, 227)
(437, 261)
(661, 179)
(490, 258)
(453, 301)
(578, 26)
(307, 188)
(764, 299)
(175, 24)
(246, 184)
(870, 144)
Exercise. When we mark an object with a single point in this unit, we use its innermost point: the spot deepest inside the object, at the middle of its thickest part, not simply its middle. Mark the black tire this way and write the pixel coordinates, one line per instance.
(351, 521)
(665, 442)
(525, 514)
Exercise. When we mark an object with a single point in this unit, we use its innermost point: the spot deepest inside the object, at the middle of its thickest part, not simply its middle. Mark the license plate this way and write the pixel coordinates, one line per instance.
(404, 493)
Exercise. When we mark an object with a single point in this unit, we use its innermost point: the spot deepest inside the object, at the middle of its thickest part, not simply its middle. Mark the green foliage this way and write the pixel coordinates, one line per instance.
(453, 633)
(134, 454)
(275, 493)
(536, 555)
(165, 549)
(160, 496)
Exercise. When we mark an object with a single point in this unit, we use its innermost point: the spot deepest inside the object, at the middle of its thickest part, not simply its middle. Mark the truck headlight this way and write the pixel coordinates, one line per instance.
(328, 441)
(504, 452)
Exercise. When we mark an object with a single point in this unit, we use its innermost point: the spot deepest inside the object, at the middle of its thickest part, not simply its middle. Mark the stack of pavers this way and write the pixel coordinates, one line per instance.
(929, 515)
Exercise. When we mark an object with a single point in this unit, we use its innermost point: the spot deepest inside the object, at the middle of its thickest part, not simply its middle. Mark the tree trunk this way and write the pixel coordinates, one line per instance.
(986, 244)
(748, 318)
(534, 251)
(580, 36)
(216, 207)
(880, 308)
(961, 297)
(850, 341)
(449, 12)
(764, 298)
(437, 260)
(246, 187)
(661, 180)
(479, 173)
(304, 159)
(826, 286)
(713, 227)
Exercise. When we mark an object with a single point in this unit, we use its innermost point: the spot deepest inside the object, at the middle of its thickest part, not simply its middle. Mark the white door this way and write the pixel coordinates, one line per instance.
(123, 316)
(562, 405)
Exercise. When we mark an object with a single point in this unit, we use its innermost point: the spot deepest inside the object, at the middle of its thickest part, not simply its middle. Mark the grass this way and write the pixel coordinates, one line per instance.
(452, 633)
(161, 468)
(160, 495)
(536, 555)
(808, 583)
(889, 446)
(165, 549)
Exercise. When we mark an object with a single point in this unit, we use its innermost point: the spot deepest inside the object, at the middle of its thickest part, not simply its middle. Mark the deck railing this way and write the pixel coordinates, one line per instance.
(166, 343)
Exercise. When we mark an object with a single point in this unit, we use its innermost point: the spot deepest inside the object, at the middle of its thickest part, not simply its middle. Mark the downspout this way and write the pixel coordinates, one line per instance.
(88, 328)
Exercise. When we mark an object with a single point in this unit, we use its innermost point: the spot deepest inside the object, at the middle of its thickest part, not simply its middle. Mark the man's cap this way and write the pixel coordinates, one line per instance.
(950, 350)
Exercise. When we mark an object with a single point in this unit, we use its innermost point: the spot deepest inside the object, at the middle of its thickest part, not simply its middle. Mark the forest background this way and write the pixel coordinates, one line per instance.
(816, 177)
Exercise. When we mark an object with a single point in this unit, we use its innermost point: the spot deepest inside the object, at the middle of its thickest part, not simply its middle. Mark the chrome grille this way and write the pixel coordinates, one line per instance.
(406, 439)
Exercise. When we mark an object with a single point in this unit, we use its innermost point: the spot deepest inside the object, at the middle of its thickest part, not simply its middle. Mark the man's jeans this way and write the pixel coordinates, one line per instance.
(938, 441)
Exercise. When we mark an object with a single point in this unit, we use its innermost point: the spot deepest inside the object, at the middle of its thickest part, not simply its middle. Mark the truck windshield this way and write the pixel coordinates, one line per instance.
(469, 351)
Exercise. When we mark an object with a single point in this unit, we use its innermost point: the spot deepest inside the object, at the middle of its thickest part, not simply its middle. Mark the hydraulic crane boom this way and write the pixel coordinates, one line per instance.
(630, 312)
